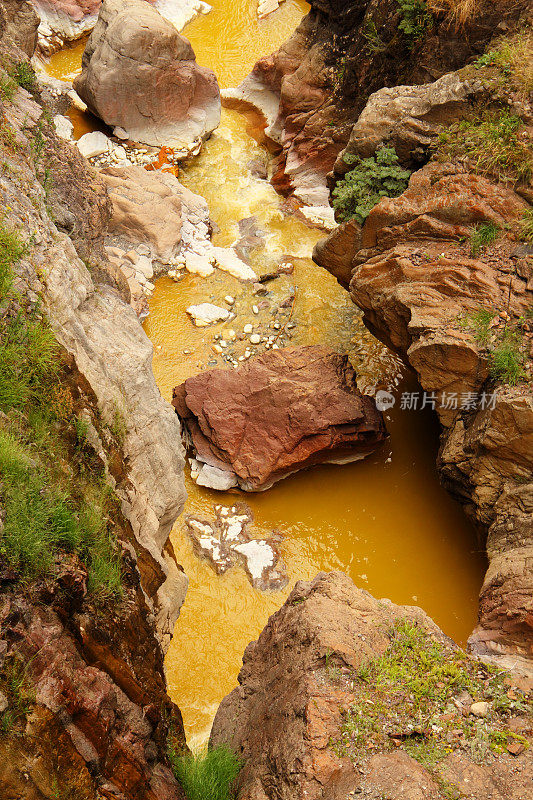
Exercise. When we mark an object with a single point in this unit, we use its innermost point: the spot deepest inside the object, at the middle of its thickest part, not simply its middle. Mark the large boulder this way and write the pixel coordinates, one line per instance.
(22, 23)
(139, 75)
(284, 411)
(347, 696)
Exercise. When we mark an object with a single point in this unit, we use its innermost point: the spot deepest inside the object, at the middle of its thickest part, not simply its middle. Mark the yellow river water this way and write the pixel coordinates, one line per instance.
(385, 521)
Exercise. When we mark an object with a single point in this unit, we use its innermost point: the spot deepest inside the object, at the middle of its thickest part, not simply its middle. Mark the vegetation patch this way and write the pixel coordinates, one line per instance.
(207, 776)
(370, 179)
(413, 696)
(490, 143)
(416, 19)
(513, 58)
(526, 226)
(17, 692)
(483, 236)
(506, 346)
(51, 502)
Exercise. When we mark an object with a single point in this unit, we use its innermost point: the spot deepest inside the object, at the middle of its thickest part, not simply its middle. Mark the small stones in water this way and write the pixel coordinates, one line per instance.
(206, 313)
(229, 300)
(248, 328)
(255, 338)
(226, 542)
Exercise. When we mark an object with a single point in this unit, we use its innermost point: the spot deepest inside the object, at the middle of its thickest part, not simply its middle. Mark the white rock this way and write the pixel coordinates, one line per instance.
(266, 7)
(206, 313)
(248, 328)
(199, 265)
(228, 261)
(255, 338)
(215, 478)
(229, 300)
(259, 556)
(255, 309)
(144, 265)
(93, 144)
(64, 127)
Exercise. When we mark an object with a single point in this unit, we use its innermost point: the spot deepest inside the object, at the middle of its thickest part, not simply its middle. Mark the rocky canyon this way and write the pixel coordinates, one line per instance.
(266, 357)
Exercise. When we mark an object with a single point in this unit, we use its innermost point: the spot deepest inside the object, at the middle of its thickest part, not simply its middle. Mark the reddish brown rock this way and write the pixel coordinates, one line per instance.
(139, 75)
(281, 412)
(299, 680)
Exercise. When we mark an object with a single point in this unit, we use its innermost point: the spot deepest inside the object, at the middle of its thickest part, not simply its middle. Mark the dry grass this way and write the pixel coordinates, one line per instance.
(457, 10)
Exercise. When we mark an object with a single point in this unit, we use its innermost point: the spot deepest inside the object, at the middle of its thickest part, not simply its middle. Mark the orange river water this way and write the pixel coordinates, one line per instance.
(385, 521)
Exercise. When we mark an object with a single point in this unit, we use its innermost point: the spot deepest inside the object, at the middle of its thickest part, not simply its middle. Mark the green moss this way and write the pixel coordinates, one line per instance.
(507, 358)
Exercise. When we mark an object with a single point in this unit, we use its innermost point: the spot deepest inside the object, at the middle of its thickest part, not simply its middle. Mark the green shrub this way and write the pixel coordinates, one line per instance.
(416, 19)
(8, 87)
(18, 691)
(483, 236)
(506, 360)
(370, 180)
(209, 776)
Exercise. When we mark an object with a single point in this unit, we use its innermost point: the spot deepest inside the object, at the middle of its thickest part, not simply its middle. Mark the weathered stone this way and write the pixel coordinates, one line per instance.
(296, 685)
(22, 23)
(284, 411)
(140, 75)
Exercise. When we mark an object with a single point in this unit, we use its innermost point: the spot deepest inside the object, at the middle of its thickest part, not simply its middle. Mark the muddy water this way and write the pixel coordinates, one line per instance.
(384, 521)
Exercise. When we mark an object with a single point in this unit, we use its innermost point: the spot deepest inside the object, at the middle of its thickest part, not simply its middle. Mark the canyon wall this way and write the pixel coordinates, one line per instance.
(98, 717)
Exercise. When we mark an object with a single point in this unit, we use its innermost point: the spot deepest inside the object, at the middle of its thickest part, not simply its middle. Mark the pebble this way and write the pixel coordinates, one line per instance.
(255, 309)
(229, 300)
(255, 338)
(248, 328)
(480, 709)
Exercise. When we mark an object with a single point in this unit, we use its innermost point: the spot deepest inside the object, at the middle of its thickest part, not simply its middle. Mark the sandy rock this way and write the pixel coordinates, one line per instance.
(480, 709)
(295, 688)
(284, 411)
(228, 261)
(22, 23)
(177, 103)
(65, 21)
(207, 313)
(93, 144)
(199, 264)
(64, 128)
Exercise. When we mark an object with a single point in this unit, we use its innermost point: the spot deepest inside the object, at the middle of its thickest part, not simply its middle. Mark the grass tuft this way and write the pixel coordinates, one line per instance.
(507, 359)
(526, 226)
(483, 236)
(209, 776)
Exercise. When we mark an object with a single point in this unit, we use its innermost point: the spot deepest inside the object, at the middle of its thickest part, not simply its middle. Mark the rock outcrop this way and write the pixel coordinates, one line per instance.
(313, 88)
(65, 21)
(139, 75)
(284, 411)
(315, 715)
(21, 24)
(90, 717)
(412, 269)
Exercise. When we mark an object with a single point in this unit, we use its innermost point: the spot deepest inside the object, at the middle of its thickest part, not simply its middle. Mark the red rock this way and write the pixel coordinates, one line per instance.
(281, 412)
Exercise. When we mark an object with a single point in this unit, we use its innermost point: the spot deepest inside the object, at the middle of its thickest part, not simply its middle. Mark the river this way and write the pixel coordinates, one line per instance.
(385, 521)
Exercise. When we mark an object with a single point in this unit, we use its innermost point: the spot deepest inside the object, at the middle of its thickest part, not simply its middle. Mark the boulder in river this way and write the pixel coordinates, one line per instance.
(140, 75)
(281, 412)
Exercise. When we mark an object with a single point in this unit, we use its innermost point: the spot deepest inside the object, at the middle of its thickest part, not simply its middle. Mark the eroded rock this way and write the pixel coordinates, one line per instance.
(301, 682)
(226, 542)
(284, 411)
(134, 52)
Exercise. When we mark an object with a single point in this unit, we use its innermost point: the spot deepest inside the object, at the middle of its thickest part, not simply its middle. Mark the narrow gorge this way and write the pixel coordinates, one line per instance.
(266, 407)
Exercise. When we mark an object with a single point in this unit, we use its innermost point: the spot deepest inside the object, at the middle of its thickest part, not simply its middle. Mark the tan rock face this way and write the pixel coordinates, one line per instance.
(22, 23)
(139, 74)
(295, 688)
(283, 411)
